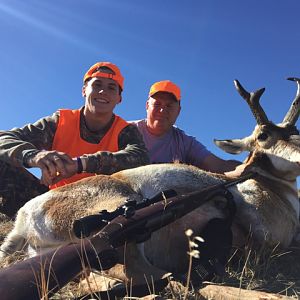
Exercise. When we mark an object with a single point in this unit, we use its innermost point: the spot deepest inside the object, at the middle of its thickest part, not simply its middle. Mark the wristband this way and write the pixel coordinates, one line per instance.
(28, 156)
(79, 165)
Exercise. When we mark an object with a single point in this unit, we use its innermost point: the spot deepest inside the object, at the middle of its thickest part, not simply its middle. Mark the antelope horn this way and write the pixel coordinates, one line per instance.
(253, 102)
(292, 115)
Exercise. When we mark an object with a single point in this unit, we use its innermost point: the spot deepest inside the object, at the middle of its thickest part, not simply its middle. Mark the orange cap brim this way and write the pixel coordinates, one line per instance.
(93, 72)
(165, 86)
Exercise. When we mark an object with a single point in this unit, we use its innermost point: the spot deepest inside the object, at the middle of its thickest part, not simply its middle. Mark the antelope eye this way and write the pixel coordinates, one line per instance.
(262, 136)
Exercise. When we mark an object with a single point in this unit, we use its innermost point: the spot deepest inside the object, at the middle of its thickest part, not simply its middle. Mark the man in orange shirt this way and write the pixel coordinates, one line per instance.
(72, 144)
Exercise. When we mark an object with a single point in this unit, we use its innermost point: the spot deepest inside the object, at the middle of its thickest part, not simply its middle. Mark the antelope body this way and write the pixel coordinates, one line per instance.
(267, 205)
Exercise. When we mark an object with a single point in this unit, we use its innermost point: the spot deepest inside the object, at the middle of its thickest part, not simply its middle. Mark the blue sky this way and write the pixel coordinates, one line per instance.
(47, 46)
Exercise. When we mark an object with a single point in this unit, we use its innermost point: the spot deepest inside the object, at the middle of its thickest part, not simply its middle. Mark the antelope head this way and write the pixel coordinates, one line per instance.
(272, 147)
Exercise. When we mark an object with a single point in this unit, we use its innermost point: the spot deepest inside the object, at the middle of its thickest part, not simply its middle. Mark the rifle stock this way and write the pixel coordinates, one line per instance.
(41, 276)
(46, 273)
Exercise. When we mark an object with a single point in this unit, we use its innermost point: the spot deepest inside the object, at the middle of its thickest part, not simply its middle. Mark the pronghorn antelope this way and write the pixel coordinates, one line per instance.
(267, 204)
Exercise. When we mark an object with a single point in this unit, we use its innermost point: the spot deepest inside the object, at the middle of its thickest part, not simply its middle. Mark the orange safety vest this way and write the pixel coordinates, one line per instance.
(67, 139)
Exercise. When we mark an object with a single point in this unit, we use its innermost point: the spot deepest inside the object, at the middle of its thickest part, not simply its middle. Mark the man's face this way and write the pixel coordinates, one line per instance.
(101, 95)
(162, 112)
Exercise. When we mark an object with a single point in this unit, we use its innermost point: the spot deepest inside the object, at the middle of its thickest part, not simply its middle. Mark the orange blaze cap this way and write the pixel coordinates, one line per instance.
(165, 86)
(95, 71)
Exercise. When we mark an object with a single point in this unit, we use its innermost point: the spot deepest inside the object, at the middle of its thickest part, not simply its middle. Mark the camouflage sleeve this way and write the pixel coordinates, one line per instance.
(17, 143)
(132, 153)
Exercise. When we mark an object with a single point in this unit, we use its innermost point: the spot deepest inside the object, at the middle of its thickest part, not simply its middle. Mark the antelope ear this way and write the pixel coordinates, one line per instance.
(230, 146)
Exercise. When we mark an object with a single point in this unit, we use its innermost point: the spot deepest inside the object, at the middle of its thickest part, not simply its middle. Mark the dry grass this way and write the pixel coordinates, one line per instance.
(276, 272)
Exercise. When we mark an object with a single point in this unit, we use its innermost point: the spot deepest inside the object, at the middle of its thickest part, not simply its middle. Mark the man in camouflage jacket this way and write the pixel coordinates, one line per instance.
(32, 145)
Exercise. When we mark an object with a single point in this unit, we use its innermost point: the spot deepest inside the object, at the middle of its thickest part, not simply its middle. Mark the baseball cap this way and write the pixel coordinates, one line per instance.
(95, 71)
(165, 86)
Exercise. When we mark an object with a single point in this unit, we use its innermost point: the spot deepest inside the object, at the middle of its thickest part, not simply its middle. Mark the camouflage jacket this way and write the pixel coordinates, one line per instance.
(18, 143)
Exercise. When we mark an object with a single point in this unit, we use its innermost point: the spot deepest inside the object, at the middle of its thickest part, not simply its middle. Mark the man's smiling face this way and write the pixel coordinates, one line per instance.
(162, 112)
(101, 95)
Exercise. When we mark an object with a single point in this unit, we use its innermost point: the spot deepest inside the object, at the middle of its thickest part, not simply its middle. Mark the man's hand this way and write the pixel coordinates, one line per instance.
(54, 166)
(70, 170)
(238, 171)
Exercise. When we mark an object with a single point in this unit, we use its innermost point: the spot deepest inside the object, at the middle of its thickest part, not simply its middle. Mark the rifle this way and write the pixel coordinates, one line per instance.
(45, 274)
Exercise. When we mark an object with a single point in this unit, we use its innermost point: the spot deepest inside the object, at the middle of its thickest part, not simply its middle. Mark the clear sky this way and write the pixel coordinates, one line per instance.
(46, 46)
